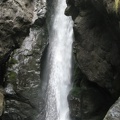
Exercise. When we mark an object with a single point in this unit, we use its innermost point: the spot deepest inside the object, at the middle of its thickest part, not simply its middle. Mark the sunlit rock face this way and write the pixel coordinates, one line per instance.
(15, 19)
(97, 47)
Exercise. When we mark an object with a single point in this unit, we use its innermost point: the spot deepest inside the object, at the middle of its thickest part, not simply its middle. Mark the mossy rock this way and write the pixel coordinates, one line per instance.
(11, 62)
(12, 76)
(75, 92)
(77, 76)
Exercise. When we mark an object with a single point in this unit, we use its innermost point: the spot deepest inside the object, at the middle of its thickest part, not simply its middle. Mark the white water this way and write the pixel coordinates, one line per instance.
(60, 58)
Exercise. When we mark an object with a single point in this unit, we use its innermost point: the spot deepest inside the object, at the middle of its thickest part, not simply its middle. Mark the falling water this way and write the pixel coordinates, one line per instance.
(59, 61)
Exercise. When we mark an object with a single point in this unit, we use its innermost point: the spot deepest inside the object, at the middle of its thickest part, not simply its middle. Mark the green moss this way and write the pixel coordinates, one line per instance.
(76, 73)
(77, 76)
(11, 62)
(12, 75)
(75, 91)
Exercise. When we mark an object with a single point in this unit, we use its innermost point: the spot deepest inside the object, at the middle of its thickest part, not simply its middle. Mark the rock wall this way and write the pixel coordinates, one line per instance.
(23, 39)
(97, 55)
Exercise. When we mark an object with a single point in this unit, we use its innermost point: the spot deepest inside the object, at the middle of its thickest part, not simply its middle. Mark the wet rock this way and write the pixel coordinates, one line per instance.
(74, 103)
(114, 112)
(13, 113)
(23, 84)
(23, 78)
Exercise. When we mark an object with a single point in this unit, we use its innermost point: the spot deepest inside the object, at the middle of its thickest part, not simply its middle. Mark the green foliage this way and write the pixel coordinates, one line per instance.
(117, 4)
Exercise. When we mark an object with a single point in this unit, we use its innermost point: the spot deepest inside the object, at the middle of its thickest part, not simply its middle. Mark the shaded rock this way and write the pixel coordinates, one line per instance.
(74, 103)
(114, 112)
(89, 101)
(97, 52)
(71, 10)
(24, 76)
(13, 113)
(97, 42)
(3, 65)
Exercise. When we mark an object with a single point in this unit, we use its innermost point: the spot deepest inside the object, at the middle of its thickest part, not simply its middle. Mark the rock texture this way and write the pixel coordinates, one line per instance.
(23, 78)
(23, 39)
(87, 100)
(15, 19)
(97, 52)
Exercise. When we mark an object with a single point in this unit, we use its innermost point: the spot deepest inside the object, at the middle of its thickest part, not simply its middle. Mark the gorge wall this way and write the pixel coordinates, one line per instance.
(97, 54)
(23, 39)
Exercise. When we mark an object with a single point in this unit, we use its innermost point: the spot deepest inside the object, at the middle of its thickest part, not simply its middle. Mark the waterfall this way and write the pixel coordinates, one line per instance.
(59, 61)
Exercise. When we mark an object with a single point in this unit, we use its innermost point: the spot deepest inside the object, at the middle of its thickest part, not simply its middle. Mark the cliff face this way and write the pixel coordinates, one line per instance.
(23, 38)
(15, 19)
(97, 52)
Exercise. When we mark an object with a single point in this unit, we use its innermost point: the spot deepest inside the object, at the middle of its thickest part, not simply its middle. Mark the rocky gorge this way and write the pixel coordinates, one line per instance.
(96, 51)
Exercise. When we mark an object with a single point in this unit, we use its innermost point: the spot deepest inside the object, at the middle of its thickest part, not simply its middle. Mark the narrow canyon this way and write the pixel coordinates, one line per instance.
(59, 60)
